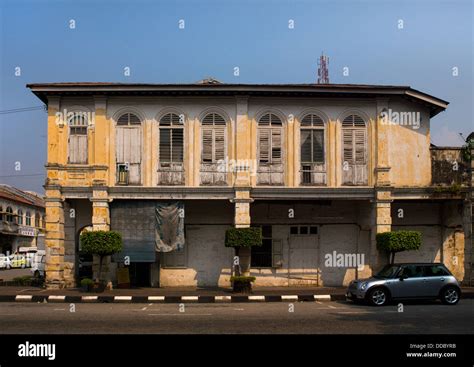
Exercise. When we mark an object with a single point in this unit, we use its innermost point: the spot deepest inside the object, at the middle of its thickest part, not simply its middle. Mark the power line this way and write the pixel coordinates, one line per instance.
(24, 109)
(29, 175)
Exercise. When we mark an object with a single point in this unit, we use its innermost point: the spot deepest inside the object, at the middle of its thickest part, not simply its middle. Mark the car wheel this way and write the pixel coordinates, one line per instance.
(450, 295)
(378, 297)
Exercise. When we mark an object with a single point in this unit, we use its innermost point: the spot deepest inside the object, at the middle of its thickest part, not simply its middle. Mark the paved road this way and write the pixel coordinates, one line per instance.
(308, 317)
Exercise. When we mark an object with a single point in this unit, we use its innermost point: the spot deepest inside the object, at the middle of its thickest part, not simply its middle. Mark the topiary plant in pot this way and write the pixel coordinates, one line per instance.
(242, 240)
(87, 284)
(393, 242)
(102, 244)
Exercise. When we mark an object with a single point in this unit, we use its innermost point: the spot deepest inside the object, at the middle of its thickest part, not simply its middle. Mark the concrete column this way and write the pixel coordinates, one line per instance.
(242, 220)
(382, 154)
(54, 240)
(382, 222)
(101, 222)
(243, 139)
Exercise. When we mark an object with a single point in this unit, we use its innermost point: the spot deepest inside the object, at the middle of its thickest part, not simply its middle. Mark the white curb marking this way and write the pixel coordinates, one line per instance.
(123, 298)
(56, 298)
(189, 298)
(23, 298)
(222, 298)
(89, 298)
(156, 298)
(256, 298)
(322, 297)
(289, 298)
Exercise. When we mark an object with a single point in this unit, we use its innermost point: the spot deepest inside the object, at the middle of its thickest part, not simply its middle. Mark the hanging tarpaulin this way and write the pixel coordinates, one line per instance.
(169, 230)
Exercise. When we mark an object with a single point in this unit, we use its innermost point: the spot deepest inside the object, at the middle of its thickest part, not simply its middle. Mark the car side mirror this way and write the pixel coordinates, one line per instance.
(403, 277)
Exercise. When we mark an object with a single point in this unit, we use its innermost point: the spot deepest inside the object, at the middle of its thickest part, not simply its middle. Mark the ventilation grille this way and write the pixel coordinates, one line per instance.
(353, 121)
(312, 120)
(213, 119)
(128, 119)
(270, 119)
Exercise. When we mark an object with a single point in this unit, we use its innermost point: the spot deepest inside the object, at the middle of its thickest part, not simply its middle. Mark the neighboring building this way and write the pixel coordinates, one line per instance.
(322, 168)
(21, 219)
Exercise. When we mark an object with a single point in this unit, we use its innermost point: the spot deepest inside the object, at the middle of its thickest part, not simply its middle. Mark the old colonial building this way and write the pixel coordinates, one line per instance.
(21, 219)
(322, 168)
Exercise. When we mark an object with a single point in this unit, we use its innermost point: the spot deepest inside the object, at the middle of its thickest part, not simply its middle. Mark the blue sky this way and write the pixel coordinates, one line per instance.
(218, 36)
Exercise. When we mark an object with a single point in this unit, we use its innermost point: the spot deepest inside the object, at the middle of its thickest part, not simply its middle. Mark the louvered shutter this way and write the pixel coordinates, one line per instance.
(165, 145)
(306, 146)
(347, 138)
(318, 146)
(207, 145)
(360, 144)
(276, 145)
(177, 145)
(264, 145)
(219, 144)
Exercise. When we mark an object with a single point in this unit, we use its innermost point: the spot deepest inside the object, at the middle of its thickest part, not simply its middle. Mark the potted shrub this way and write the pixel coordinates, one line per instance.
(87, 284)
(242, 240)
(242, 284)
(102, 244)
(393, 242)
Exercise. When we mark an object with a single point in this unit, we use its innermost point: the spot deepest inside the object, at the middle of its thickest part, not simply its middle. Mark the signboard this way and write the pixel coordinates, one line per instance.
(26, 231)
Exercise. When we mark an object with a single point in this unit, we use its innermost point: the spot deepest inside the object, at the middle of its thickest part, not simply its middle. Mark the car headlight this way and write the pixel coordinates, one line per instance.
(363, 286)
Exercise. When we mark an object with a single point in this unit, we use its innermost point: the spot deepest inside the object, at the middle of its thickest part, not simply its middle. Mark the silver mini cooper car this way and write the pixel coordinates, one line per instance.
(407, 281)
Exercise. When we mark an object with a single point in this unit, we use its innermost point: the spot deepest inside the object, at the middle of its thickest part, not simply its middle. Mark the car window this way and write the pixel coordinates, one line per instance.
(435, 271)
(412, 271)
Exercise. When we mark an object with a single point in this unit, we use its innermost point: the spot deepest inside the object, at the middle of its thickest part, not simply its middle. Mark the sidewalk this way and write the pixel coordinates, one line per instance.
(181, 294)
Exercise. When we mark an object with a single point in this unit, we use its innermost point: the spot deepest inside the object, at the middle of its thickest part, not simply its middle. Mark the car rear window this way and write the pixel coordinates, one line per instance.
(435, 271)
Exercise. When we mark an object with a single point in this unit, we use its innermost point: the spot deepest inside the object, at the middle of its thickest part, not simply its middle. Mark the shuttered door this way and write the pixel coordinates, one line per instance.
(129, 151)
(264, 145)
(354, 156)
(219, 144)
(276, 145)
(78, 146)
(207, 145)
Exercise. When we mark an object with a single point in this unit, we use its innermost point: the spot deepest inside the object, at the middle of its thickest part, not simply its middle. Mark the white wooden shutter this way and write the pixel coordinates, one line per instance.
(360, 146)
(219, 144)
(348, 144)
(264, 145)
(207, 145)
(276, 145)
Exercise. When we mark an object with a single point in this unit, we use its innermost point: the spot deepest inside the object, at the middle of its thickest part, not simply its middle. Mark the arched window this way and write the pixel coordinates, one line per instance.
(78, 139)
(214, 150)
(28, 218)
(37, 219)
(354, 142)
(171, 138)
(20, 217)
(171, 150)
(213, 138)
(128, 149)
(9, 214)
(312, 153)
(270, 157)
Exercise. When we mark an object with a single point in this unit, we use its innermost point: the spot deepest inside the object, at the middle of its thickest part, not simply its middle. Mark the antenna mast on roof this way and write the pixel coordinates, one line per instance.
(323, 71)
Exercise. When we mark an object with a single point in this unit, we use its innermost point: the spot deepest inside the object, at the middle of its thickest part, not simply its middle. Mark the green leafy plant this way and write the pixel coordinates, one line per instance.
(86, 282)
(102, 244)
(243, 237)
(242, 279)
(398, 241)
(242, 284)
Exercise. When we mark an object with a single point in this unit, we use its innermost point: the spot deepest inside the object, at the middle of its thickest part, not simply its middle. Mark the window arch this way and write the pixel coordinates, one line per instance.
(354, 143)
(77, 139)
(20, 217)
(270, 131)
(128, 149)
(28, 218)
(9, 215)
(171, 128)
(312, 150)
(213, 138)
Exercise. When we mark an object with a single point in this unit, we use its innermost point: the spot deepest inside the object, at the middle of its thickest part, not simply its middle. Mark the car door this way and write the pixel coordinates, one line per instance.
(410, 282)
(436, 278)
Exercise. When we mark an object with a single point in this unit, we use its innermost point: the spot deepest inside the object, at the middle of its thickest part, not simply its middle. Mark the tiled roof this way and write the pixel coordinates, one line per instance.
(26, 197)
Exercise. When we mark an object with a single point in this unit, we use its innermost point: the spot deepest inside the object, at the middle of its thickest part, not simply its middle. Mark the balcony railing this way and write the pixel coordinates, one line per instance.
(170, 174)
(313, 174)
